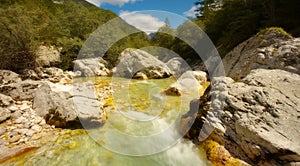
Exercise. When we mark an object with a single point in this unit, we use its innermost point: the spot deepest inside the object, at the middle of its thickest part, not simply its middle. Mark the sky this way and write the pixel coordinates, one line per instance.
(149, 15)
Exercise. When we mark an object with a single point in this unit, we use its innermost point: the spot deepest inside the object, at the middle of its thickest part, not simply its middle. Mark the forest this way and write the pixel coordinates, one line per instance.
(25, 25)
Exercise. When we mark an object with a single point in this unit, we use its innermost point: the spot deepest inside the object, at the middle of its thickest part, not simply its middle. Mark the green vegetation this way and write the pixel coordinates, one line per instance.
(230, 22)
(282, 31)
(27, 24)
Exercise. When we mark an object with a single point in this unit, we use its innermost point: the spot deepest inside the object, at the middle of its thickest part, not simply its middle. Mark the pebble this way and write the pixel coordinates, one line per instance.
(37, 120)
(30, 133)
(3, 142)
(13, 108)
(36, 136)
(16, 115)
(22, 131)
(36, 128)
(2, 130)
(20, 120)
(14, 138)
(19, 102)
(27, 125)
(24, 107)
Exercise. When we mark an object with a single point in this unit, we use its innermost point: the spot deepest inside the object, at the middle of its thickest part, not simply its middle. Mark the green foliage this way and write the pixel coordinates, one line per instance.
(19, 29)
(26, 24)
(136, 40)
(237, 20)
(281, 30)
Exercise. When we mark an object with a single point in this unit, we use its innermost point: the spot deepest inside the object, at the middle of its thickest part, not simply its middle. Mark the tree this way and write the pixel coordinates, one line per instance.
(233, 21)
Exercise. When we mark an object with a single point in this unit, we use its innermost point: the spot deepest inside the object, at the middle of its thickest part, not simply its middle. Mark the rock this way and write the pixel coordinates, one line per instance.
(140, 76)
(5, 101)
(19, 91)
(7, 106)
(30, 74)
(187, 82)
(36, 128)
(260, 119)
(13, 137)
(47, 55)
(133, 61)
(20, 120)
(3, 144)
(178, 66)
(30, 133)
(59, 106)
(91, 67)
(2, 130)
(8, 77)
(270, 50)
(16, 115)
(54, 75)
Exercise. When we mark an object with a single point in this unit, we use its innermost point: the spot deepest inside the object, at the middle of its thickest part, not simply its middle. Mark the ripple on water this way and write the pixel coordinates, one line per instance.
(141, 110)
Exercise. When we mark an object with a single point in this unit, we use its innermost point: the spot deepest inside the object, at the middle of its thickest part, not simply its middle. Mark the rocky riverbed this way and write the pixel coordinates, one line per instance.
(24, 123)
(258, 122)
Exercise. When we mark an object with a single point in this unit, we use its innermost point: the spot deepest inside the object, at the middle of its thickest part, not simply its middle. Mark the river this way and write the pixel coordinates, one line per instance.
(140, 131)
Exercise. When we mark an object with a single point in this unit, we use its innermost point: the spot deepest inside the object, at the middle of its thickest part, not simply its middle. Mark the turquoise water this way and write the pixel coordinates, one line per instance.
(141, 130)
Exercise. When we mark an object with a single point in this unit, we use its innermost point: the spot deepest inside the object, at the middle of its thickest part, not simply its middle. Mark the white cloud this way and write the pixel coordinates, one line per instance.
(191, 12)
(112, 2)
(144, 22)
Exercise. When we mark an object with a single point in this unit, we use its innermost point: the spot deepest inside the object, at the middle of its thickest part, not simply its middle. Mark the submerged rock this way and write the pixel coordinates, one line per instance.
(272, 49)
(260, 118)
(133, 61)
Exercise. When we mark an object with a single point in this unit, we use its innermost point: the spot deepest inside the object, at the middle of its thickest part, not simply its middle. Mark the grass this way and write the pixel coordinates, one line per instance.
(281, 30)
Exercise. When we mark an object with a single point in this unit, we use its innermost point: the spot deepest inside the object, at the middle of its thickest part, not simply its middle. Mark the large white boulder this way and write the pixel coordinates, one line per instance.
(91, 67)
(187, 82)
(133, 61)
(68, 105)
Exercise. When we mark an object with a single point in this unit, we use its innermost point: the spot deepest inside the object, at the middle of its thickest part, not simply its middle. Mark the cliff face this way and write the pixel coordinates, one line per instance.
(259, 122)
(271, 49)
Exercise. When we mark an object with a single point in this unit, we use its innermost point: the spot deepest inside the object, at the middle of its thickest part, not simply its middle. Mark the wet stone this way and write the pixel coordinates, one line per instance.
(14, 139)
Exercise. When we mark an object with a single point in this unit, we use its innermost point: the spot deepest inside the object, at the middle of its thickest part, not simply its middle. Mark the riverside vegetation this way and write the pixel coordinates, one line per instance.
(40, 80)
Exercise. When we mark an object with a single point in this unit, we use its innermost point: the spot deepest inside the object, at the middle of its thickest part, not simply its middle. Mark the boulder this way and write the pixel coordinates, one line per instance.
(20, 90)
(187, 82)
(68, 106)
(133, 61)
(47, 55)
(8, 77)
(272, 49)
(5, 103)
(55, 75)
(260, 121)
(178, 66)
(91, 67)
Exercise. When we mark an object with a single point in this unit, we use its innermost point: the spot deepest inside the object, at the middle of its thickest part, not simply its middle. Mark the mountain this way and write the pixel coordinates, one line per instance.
(27, 24)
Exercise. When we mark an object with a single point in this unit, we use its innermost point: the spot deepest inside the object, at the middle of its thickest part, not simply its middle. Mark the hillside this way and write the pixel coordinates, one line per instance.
(25, 25)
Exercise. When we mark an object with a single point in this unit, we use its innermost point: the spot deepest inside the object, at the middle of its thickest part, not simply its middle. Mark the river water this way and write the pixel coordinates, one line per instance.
(141, 130)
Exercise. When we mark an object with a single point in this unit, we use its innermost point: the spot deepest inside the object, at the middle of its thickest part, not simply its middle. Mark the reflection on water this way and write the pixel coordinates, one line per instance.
(141, 121)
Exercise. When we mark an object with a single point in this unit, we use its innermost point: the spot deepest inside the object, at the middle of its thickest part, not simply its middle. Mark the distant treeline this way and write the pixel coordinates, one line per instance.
(230, 22)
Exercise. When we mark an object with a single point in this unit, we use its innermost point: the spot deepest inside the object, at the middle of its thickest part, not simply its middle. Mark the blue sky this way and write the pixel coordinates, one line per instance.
(176, 11)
